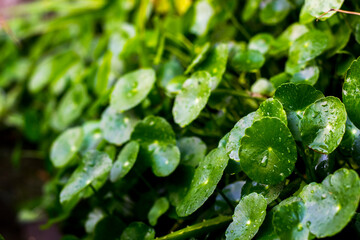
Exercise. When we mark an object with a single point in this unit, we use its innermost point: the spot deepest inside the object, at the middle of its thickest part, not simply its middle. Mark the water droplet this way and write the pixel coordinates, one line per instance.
(308, 223)
(300, 227)
(248, 222)
(323, 196)
(279, 139)
(264, 161)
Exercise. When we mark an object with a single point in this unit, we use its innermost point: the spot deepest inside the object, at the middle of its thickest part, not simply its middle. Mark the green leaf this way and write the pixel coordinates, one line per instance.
(261, 42)
(125, 161)
(131, 89)
(247, 60)
(250, 9)
(268, 151)
(323, 124)
(103, 74)
(42, 74)
(308, 75)
(160, 207)
(347, 142)
(344, 184)
(175, 84)
(315, 8)
(153, 130)
(203, 13)
(71, 106)
(157, 139)
(164, 159)
(280, 79)
(274, 11)
(192, 150)
(236, 134)
(271, 108)
(117, 126)
(289, 221)
(65, 147)
(92, 219)
(306, 48)
(207, 175)
(215, 63)
(95, 165)
(92, 136)
(138, 230)
(198, 229)
(202, 53)
(248, 217)
(192, 99)
(330, 205)
(351, 92)
(168, 71)
(263, 87)
(295, 98)
(287, 39)
(179, 183)
(270, 192)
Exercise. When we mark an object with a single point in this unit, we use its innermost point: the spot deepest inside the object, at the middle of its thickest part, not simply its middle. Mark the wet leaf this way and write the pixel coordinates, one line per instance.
(236, 134)
(247, 60)
(351, 93)
(117, 126)
(323, 124)
(289, 221)
(271, 108)
(207, 175)
(125, 161)
(131, 89)
(95, 165)
(314, 8)
(268, 154)
(192, 98)
(66, 146)
(248, 216)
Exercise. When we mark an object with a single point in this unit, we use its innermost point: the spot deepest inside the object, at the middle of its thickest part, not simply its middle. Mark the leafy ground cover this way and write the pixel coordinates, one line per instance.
(188, 119)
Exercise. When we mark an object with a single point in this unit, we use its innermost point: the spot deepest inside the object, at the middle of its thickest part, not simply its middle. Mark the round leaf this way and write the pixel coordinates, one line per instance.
(95, 165)
(125, 161)
(207, 175)
(192, 98)
(274, 11)
(288, 219)
(268, 151)
(66, 146)
(351, 93)
(131, 89)
(153, 130)
(308, 75)
(323, 124)
(270, 192)
(315, 8)
(295, 97)
(248, 216)
(261, 42)
(330, 205)
(164, 159)
(199, 57)
(247, 60)
(271, 108)
(117, 127)
(306, 48)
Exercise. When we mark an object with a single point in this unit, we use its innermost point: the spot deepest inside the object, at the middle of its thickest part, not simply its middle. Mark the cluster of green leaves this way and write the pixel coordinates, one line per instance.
(206, 114)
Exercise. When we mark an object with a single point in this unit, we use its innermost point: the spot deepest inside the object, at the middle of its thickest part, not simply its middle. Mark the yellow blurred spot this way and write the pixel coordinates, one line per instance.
(182, 6)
